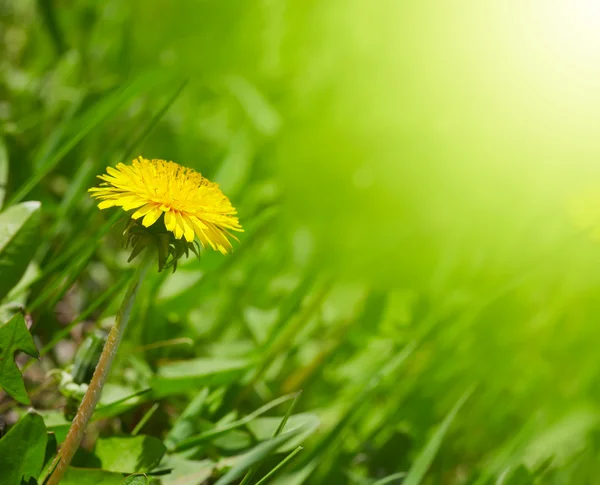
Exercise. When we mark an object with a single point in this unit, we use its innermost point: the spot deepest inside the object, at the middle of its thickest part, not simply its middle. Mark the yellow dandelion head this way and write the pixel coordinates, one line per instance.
(162, 192)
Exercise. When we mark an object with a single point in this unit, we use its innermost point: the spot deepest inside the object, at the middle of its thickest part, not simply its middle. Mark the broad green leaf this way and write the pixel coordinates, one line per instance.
(117, 399)
(51, 448)
(264, 428)
(256, 455)
(19, 226)
(56, 423)
(90, 476)
(135, 480)
(14, 337)
(49, 455)
(232, 441)
(3, 171)
(17, 296)
(177, 283)
(22, 450)
(180, 377)
(84, 458)
(426, 456)
(185, 471)
(135, 454)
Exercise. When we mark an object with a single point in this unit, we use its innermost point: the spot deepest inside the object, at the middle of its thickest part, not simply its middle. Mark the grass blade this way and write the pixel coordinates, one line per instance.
(144, 420)
(182, 427)
(358, 403)
(390, 479)
(153, 121)
(213, 433)
(283, 462)
(93, 117)
(425, 458)
(256, 455)
(278, 431)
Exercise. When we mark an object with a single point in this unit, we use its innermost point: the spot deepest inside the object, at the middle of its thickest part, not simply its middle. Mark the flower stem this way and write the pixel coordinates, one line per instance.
(94, 391)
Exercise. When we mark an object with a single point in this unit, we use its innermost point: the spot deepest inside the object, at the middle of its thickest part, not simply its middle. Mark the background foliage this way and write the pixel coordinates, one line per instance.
(411, 177)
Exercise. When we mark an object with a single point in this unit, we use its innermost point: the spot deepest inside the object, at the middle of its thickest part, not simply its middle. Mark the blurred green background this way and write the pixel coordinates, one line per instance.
(417, 182)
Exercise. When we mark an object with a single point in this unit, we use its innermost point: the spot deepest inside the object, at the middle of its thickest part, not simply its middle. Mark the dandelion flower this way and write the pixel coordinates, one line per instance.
(166, 194)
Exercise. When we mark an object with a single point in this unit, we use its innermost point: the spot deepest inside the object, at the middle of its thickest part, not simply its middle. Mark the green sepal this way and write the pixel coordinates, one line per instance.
(169, 249)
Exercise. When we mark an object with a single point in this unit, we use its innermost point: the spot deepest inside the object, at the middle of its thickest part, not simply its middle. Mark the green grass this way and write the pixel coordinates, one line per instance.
(437, 309)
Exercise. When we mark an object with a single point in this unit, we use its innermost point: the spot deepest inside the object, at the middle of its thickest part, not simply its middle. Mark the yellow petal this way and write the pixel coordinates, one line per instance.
(198, 222)
(112, 171)
(199, 230)
(218, 237)
(178, 231)
(170, 221)
(151, 217)
(142, 211)
(174, 222)
(130, 202)
(106, 204)
(187, 229)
